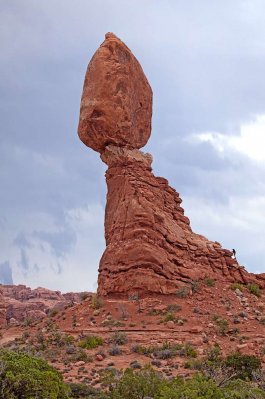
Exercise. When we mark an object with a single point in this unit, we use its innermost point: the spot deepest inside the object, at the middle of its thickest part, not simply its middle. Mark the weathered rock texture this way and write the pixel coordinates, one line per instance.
(150, 244)
(116, 105)
(19, 303)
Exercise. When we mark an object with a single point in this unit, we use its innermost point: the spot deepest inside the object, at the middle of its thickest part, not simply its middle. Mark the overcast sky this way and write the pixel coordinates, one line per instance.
(205, 61)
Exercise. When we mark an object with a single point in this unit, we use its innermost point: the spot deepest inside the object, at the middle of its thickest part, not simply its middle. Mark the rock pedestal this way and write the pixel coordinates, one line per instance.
(150, 246)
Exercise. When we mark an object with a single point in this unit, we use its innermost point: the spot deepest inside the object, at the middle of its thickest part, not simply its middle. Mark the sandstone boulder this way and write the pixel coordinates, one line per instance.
(116, 105)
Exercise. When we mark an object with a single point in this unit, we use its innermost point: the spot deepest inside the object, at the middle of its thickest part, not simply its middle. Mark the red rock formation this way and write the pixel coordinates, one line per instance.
(150, 244)
(18, 302)
(3, 307)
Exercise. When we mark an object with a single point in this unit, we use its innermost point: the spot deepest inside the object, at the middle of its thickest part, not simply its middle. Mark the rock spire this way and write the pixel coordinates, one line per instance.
(150, 246)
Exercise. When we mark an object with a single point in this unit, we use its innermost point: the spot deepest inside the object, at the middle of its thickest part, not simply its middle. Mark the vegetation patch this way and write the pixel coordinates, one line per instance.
(254, 289)
(210, 282)
(23, 376)
(183, 292)
(91, 342)
(237, 286)
(222, 325)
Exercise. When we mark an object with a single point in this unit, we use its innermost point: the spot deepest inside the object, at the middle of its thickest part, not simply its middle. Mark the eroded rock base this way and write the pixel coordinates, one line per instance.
(150, 244)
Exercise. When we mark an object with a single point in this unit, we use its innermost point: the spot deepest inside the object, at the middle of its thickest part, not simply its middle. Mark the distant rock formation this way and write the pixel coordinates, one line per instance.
(20, 304)
(150, 244)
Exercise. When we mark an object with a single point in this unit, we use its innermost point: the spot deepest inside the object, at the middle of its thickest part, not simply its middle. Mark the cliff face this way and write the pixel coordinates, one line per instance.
(150, 246)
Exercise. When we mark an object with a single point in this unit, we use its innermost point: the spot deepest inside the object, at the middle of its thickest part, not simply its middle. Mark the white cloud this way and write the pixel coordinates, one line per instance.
(74, 270)
(250, 141)
(239, 225)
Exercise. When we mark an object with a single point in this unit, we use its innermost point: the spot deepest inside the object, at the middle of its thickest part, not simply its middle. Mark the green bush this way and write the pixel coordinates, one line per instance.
(90, 342)
(243, 365)
(96, 302)
(147, 383)
(25, 377)
(209, 282)
(221, 325)
(237, 286)
(238, 389)
(136, 384)
(119, 338)
(183, 292)
(168, 317)
(254, 289)
(79, 391)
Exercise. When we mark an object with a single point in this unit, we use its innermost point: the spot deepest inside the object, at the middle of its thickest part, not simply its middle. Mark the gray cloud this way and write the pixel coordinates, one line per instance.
(24, 261)
(21, 241)
(6, 273)
(61, 242)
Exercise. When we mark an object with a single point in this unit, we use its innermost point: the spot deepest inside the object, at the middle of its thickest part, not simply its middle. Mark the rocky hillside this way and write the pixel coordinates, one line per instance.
(173, 333)
(20, 304)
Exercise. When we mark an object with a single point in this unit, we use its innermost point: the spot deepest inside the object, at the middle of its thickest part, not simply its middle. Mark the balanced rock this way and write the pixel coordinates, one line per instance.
(116, 105)
(150, 246)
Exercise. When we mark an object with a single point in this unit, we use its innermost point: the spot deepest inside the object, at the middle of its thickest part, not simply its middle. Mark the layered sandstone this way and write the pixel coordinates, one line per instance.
(19, 303)
(150, 246)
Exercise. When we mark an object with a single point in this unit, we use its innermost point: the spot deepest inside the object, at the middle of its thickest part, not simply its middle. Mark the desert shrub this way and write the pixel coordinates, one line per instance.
(254, 289)
(112, 323)
(195, 286)
(68, 339)
(115, 350)
(90, 342)
(136, 384)
(214, 354)
(237, 286)
(26, 377)
(143, 350)
(173, 307)
(28, 321)
(81, 390)
(262, 321)
(190, 351)
(164, 353)
(238, 389)
(221, 324)
(119, 338)
(169, 316)
(96, 302)
(183, 292)
(154, 312)
(84, 295)
(209, 282)
(243, 365)
(52, 312)
(135, 365)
